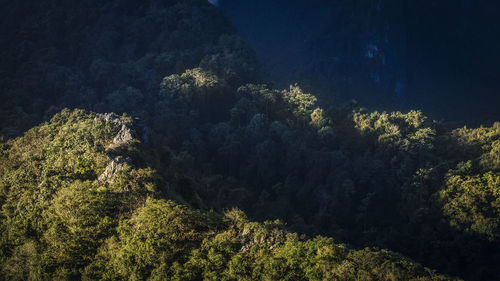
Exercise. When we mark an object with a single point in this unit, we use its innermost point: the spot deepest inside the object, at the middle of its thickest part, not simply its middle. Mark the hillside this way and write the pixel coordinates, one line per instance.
(107, 55)
(204, 172)
(381, 53)
(80, 200)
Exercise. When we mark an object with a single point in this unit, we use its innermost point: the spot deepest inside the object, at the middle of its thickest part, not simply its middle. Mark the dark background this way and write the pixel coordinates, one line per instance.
(437, 56)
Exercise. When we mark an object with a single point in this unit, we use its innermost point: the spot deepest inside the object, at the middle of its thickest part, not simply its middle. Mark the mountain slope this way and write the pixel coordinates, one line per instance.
(107, 55)
(193, 131)
(80, 201)
(381, 53)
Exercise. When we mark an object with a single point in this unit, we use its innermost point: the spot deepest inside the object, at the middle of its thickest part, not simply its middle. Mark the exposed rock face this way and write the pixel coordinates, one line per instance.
(124, 136)
(122, 139)
(116, 165)
(109, 117)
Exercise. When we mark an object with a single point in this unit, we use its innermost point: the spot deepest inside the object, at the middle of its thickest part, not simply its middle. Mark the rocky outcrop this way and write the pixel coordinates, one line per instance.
(117, 149)
(124, 137)
(116, 165)
(109, 117)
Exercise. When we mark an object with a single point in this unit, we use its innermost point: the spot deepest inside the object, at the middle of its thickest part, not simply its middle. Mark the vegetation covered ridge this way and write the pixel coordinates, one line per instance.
(80, 200)
(197, 126)
(395, 180)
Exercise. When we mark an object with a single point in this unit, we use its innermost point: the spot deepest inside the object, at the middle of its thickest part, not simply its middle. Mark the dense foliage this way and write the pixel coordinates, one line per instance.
(62, 219)
(395, 180)
(157, 192)
(107, 55)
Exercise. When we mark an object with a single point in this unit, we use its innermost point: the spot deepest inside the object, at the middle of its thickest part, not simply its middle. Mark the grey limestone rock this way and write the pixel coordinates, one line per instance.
(122, 139)
(124, 136)
(116, 165)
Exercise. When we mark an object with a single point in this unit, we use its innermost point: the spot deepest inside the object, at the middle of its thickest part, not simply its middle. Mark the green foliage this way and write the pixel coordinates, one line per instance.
(318, 119)
(246, 250)
(55, 211)
(402, 131)
(367, 178)
(265, 252)
(193, 86)
(278, 156)
(472, 202)
(156, 236)
(110, 67)
(78, 221)
(300, 103)
(85, 226)
(470, 197)
(91, 196)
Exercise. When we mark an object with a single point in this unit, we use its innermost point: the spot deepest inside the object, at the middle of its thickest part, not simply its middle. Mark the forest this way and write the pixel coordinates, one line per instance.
(140, 140)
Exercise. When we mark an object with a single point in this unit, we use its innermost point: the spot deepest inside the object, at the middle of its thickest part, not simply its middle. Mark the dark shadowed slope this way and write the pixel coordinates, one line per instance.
(107, 55)
(440, 56)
